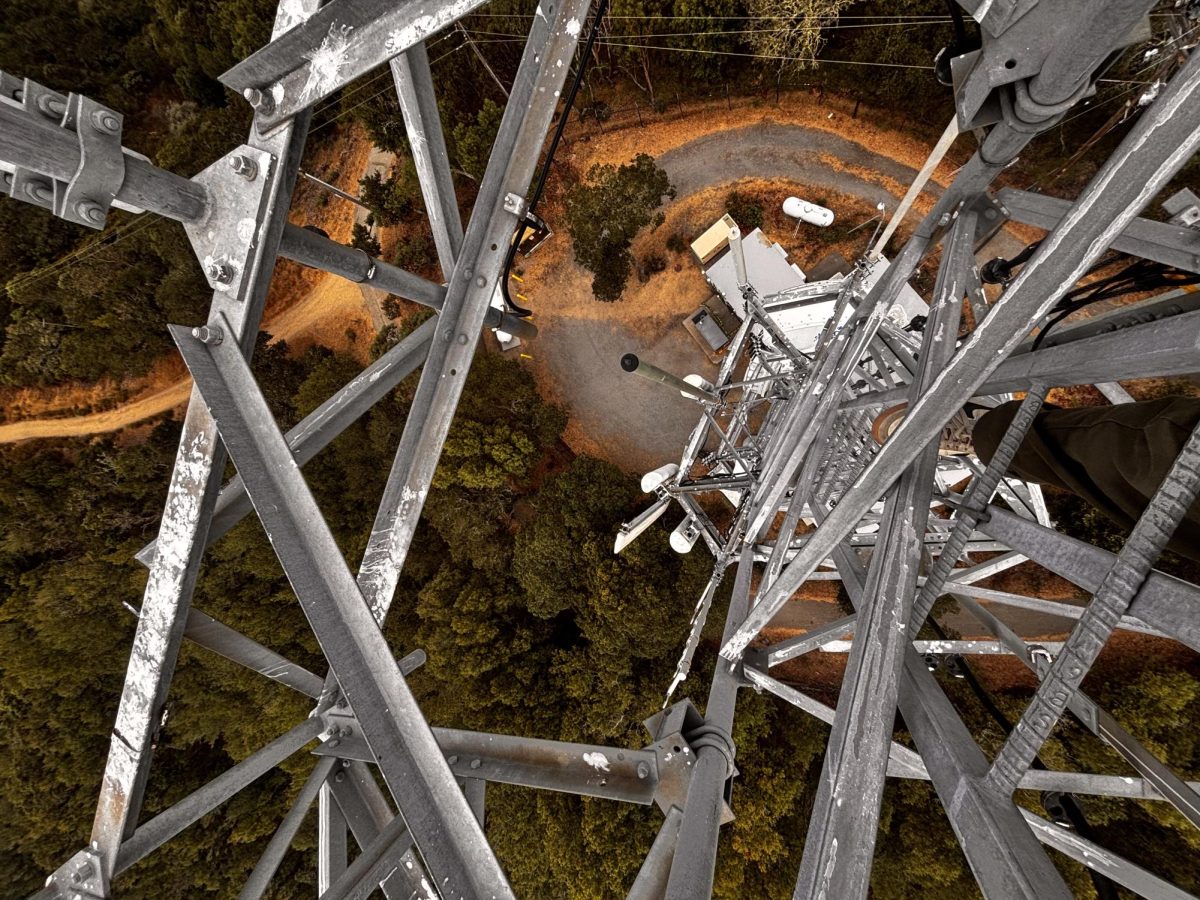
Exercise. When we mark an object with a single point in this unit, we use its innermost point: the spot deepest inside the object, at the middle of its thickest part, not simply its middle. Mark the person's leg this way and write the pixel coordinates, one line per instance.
(1114, 457)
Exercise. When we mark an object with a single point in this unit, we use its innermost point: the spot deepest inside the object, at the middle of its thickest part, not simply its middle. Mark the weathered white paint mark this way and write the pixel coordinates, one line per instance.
(597, 761)
(326, 63)
(290, 14)
(425, 24)
(827, 875)
(574, 27)
(159, 607)
(246, 229)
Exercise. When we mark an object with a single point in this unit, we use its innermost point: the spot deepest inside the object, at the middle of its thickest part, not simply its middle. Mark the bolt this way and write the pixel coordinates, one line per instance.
(103, 120)
(92, 212)
(39, 191)
(334, 742)
(476, 763)
(51, 106)
(262, 102)
(944, 220)
(643, 770)
(448, 335)
(462, 338)
(220, 271)
(244, 166)
(347, 731)
(480, 281)
(208, 334)
(339, 777)
(8, 180)
(452, 760)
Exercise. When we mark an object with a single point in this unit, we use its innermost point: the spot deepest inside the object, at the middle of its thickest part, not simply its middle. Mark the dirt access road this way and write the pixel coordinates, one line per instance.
(330, 300)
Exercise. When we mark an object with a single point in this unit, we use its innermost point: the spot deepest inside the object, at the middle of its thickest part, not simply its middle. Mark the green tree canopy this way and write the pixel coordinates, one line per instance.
(605, 213)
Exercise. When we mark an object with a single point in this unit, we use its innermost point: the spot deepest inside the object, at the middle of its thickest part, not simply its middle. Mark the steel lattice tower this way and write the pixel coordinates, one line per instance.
(792, 446)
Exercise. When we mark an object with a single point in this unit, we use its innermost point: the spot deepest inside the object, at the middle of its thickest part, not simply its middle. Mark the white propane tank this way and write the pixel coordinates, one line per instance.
(652, 481)
(683, 538)
(808, 212)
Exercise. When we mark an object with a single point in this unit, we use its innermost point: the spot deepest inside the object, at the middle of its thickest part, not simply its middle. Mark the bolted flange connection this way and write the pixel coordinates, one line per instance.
(244, 166)
(104, 121)
(208, 334)
(220, 271)
(93, 212)
(262, 101)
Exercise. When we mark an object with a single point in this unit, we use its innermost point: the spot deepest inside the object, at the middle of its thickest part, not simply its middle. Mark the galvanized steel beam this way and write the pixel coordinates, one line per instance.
(171, 821)
(423, 124)
(331, 48)
(190, 499)
(318, 429)
(264, 870)
(1167, 604)
(1172, 245)
(416, 772)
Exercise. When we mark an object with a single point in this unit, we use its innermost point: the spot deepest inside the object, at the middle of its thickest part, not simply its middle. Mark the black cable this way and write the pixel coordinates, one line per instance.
(529, 217)
(1143, 275)
(1105, 889)
(1000, 270)
(963, 43)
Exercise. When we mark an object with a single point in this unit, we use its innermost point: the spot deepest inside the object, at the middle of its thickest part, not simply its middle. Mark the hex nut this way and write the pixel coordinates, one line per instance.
(244, 166)
(105, 121)
(208, 334)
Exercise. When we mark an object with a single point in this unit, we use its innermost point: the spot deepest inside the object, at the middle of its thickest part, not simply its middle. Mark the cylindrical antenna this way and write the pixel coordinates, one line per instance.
(739, 256)
(631, 363)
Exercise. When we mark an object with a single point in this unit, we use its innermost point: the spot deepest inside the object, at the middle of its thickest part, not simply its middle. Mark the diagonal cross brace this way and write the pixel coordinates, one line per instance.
(345, 39)
(527, 116)
(195, 480)
(402, 742)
